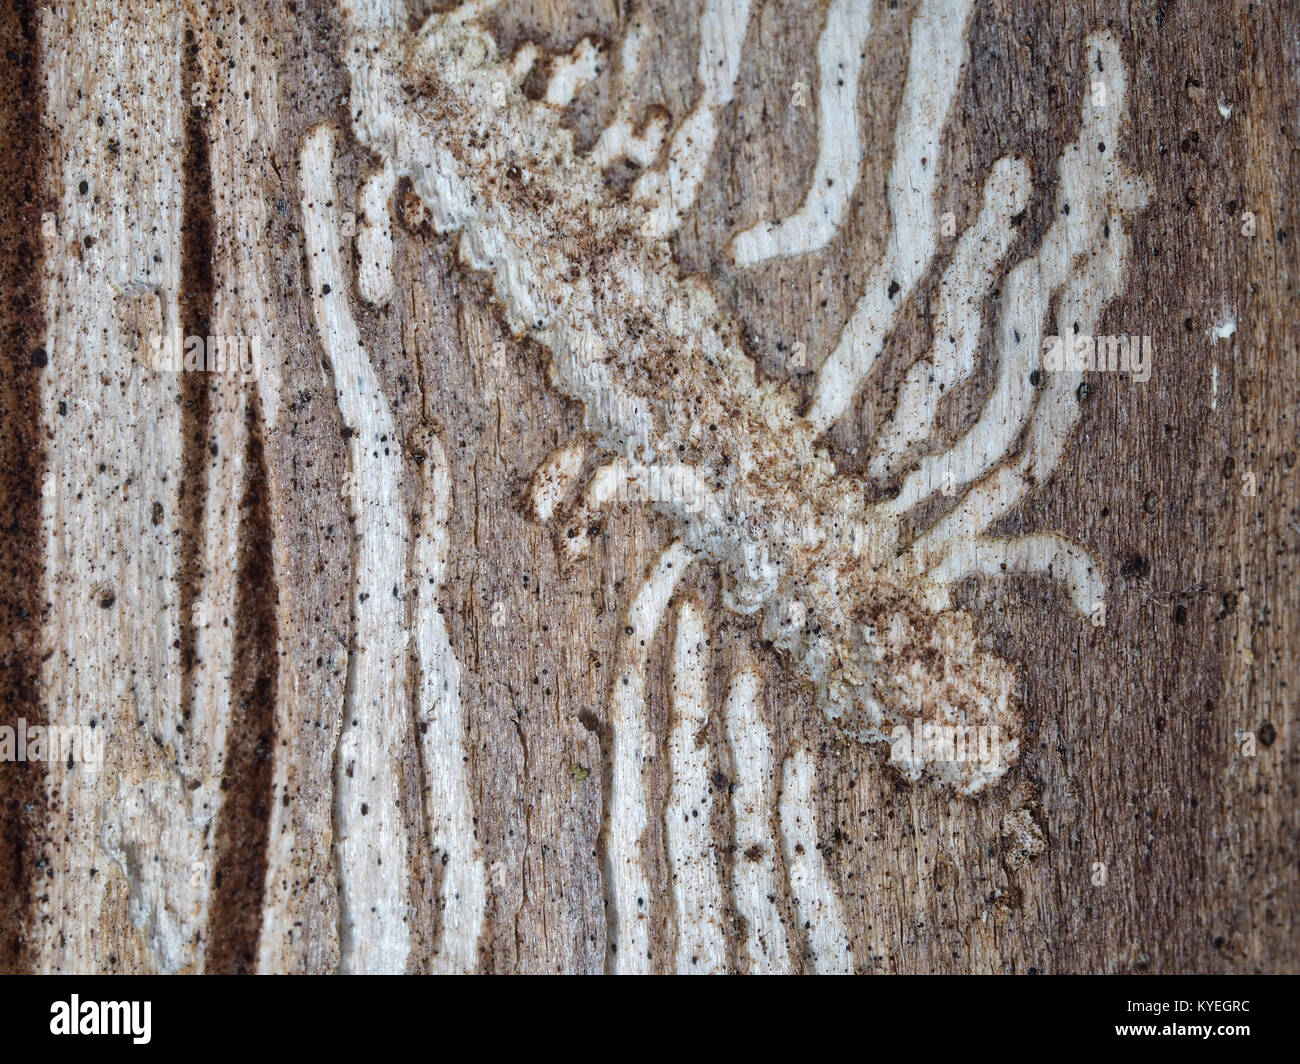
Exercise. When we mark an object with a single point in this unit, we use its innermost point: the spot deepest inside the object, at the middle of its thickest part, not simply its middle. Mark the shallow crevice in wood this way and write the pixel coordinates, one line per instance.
(194, 304)
(240, 836)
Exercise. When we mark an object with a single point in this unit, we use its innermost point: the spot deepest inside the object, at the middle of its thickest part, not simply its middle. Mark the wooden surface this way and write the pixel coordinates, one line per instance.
(176, 489)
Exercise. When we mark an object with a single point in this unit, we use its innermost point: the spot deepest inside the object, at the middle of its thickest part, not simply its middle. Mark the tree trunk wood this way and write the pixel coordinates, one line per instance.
(182, 552)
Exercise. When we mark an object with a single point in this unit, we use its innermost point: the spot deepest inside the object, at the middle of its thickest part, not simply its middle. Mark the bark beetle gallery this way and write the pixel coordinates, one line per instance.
(568, 487)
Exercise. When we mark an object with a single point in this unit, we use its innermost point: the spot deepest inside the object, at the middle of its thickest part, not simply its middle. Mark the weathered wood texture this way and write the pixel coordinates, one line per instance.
(182, 552)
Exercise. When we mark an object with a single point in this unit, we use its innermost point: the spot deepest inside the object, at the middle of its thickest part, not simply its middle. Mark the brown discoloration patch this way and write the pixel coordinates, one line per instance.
(195, 309)
(22, 332)
(235, 918)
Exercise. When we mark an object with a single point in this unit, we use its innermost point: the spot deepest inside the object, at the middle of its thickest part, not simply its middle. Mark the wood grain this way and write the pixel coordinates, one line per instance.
(207, 840)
